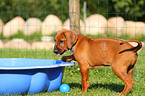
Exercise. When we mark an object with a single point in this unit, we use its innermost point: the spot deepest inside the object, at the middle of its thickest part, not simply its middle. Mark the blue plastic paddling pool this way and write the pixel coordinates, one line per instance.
(30, 76)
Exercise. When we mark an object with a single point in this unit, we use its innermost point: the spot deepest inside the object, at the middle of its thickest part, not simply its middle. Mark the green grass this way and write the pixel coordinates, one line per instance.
(123, 36)
(33, 37)
(102, 80)
(37, 36)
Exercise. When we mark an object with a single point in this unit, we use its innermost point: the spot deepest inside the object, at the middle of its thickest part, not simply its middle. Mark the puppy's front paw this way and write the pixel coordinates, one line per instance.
(66, 59)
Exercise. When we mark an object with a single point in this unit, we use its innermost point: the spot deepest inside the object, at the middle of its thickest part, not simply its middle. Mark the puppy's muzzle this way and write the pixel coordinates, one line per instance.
(55, 51)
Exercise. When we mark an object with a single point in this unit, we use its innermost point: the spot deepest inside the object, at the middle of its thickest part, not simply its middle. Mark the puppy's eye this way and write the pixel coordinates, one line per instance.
(61, 41)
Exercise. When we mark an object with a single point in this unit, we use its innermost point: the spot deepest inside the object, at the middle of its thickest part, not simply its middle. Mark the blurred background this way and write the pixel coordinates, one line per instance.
(32, 24)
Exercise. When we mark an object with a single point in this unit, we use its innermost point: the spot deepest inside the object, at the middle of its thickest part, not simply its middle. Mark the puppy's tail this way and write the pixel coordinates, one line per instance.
(135, 49)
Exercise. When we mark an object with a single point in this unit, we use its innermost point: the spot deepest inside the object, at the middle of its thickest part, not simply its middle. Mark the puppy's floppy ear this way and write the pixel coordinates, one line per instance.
(71, 38)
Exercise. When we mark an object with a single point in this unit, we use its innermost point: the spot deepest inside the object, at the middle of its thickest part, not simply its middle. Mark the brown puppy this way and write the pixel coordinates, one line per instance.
(99, 52)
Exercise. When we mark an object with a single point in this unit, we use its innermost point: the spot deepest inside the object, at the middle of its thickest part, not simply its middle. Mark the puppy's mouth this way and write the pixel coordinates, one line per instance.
(58, 54)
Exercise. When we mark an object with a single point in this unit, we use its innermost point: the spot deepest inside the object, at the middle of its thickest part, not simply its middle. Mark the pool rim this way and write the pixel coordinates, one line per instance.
(62, 64)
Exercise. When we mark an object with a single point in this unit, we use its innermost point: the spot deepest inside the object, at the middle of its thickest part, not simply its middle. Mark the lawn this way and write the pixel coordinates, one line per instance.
(102, 80)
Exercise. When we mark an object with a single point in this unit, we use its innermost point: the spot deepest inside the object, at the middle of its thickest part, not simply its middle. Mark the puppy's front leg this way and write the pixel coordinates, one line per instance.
(68, 58)
(85, 78)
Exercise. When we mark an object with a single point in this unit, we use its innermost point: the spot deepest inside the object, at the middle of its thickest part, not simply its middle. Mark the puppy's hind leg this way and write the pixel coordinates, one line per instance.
(120, 69)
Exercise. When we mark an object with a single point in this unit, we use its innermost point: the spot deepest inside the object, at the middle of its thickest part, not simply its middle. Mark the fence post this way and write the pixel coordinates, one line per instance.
(84, 9)
(74, 13)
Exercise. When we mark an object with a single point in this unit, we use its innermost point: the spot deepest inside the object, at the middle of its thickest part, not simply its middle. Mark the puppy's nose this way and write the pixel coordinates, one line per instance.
(55, 51)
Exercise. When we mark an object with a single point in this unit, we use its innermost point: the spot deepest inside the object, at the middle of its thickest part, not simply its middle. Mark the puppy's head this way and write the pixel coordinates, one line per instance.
(64, 41)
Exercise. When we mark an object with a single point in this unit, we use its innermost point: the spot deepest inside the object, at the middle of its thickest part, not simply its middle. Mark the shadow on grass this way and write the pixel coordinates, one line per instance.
(112, 87)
